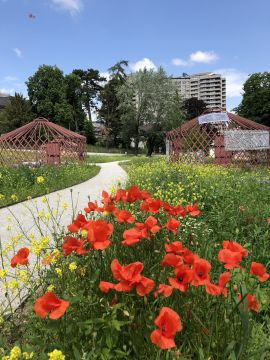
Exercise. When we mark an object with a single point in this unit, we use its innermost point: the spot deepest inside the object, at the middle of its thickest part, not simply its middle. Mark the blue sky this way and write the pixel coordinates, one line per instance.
(230, 37)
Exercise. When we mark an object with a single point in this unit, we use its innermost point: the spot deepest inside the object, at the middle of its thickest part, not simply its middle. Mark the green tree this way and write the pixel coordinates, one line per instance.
(74, 99)
(109, 114)
(91, 87)
(47, 95)
(193, 107)
(16, 114)
(150, 106)
(256, 98)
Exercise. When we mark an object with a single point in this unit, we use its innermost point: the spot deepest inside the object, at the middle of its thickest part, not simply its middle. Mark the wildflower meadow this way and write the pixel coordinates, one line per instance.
(174, 265)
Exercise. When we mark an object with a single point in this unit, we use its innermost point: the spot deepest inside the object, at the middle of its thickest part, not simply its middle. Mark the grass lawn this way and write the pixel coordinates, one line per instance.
(94, 159)
(18, 184)
(101, 149)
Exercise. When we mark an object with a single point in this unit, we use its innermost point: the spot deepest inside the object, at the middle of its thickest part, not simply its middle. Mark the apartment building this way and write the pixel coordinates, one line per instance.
(209, 87)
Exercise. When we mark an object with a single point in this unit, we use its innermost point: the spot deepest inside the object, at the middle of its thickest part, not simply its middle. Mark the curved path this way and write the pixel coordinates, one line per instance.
(28, 217)
(110, 175)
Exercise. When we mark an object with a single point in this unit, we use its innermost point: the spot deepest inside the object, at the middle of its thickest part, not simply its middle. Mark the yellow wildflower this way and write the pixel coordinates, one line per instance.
(50, 288)
(40, 180)
(43, 199)
(2, 197)
(64, 206)
(15, 353)
(2, 273)
(28, 356)
(23, 275)
(72, 266)
(14, 197)
(58, 272)
(56, 355)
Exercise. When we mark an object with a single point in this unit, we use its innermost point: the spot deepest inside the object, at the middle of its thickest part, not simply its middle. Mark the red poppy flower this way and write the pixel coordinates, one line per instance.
(253, 303)
(123, 216)
(105, 286)
(50, 304)
(172, 225)
(108, 203)
(144, 286)
(234, 247)
(92, 206)
(77, 224)
(163, 289)
(131, 236)
(175, 247)
(133, 194)
(72, 244)
(201, 268)
(229, 258)
(219, 289)
(98, 234)
(151, 205)
(120, 195)
(172, 260)
(169, 324)
(130, 273)
(184, 276)
(21, 258)
(193, 210)
(149, 227)
(174, 210)
(129, 276)
(259, 270)
(190, 257)
(268, 220)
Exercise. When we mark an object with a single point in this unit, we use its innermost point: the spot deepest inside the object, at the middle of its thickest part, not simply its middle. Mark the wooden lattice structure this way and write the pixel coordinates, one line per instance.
(221, 138)
(41, 142)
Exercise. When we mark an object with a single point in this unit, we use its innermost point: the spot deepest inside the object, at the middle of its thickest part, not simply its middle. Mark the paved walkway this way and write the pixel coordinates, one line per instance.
(110, 175)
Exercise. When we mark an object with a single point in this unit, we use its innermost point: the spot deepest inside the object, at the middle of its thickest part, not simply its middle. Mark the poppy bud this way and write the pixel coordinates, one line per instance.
(235, 288)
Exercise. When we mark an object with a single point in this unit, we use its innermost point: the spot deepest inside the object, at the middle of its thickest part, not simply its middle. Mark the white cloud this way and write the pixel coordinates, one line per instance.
(145, 63)
(105, 74)
(180, 62)
(73, 6)
(10, 78)
(205, 57)
(7, 91)
(234, 81)
(18, 52)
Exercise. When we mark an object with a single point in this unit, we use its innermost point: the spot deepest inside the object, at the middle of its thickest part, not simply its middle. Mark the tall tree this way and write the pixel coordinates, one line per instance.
(193, 107)
(256, 98)
(91, 86)
(47, 95)
(148, 102)
(109, 113)
(74, 99)
(16, 114)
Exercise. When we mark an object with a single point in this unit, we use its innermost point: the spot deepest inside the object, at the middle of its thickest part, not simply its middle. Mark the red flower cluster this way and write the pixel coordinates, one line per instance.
(188, 268)
(98, 233)
(129, 276)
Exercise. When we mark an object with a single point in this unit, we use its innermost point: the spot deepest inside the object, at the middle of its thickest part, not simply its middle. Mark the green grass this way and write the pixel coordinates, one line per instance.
(17, 185)
(94, 159)
(112, 150)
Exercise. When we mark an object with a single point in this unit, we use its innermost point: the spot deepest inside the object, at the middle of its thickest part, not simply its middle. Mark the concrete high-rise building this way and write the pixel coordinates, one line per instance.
(209, 87)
